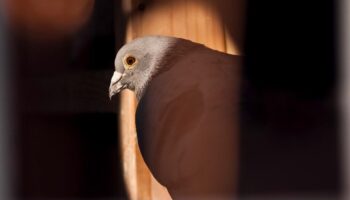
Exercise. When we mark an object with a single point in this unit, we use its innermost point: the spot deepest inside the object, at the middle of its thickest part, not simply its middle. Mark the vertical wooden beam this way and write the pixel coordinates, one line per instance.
(197, 20)
(128, 142)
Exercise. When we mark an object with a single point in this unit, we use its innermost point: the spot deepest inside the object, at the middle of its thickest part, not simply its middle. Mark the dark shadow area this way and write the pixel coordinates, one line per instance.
(289, 119)
(67, 142)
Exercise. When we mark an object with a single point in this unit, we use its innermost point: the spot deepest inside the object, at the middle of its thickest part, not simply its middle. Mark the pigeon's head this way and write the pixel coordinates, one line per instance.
(136, 61)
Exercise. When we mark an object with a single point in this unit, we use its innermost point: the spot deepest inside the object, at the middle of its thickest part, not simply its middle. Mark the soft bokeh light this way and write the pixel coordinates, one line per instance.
(49, 18)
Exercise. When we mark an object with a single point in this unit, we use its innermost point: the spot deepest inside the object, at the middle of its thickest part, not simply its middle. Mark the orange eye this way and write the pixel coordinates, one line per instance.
(129, 61)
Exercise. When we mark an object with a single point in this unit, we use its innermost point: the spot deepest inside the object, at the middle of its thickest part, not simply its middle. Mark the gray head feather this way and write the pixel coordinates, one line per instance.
(152, 53)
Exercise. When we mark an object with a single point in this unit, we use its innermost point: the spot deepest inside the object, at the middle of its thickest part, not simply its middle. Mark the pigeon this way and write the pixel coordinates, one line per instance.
(187, 113)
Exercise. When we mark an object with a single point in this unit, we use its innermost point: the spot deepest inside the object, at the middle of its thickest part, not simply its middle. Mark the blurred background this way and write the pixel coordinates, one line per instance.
(60, 135)
(61, 56)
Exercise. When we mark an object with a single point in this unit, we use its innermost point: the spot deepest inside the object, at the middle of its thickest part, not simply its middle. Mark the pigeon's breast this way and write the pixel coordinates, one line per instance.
(182, 112)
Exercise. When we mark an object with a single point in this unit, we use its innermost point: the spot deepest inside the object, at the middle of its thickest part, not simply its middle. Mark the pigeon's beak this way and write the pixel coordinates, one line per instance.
(116, 86)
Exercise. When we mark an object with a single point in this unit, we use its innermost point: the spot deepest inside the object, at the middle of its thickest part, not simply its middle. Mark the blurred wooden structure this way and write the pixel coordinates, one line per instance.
(49, 19)
(217, 24)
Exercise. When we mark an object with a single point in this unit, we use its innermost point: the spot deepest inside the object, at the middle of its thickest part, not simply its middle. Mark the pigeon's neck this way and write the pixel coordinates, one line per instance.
(172, 54)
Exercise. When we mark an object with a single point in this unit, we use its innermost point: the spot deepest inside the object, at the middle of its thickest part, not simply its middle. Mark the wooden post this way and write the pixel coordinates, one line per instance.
(202, 21)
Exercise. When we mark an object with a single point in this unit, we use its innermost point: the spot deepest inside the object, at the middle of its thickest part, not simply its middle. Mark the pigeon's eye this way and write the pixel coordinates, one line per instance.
(129, 61)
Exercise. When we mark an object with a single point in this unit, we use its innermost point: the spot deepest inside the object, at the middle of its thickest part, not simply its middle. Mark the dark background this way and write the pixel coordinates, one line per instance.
(289, 115)
(67, 130)
(67, 141)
